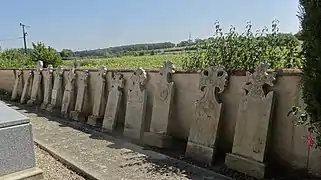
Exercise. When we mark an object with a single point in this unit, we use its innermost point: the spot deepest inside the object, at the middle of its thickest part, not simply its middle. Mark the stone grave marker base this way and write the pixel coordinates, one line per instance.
(133, 134)
(93, 120)
(43, 106)
(199, 152)
(30, 103)
(245, 165)
(52, 110)
(77, 116)
(158, 140)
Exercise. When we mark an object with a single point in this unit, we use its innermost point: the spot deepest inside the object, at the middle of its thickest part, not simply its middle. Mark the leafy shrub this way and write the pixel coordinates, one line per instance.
(243, 51)
(311, 79)
(15, 58)
(46, 54)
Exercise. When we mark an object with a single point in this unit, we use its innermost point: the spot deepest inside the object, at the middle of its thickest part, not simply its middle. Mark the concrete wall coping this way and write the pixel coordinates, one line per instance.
(234, 72)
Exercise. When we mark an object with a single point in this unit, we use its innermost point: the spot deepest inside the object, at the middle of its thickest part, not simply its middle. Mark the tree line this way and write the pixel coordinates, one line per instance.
(157, 48)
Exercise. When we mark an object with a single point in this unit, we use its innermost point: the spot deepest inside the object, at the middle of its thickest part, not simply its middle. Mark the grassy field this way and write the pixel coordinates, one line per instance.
(129, 62)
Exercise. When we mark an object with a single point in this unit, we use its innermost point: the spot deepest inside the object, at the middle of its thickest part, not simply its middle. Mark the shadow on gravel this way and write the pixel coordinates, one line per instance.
(138, 156)
(163, 166)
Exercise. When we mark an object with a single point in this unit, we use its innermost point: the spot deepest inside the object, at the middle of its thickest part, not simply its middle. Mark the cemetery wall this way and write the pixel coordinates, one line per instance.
(287, 141)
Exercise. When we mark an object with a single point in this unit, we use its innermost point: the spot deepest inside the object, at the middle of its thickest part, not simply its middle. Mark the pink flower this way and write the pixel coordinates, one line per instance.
(310, 141)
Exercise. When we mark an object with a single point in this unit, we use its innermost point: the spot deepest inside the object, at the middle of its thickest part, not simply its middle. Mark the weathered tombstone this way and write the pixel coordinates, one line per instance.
(36, 84)
(113, 102)
(99, 91)
(18, 76)
(81, 94)
(48, 87)
(204, 131)
(57, 89)
(136, 106)
(17, 155)
(69, 93)
(252, 125)
(162, 110)
(26, 88)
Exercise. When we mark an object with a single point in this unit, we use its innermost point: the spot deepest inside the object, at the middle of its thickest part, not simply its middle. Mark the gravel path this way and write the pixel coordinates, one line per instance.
(52, 168)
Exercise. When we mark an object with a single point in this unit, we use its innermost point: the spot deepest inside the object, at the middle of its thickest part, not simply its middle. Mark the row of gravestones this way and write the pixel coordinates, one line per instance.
(251, 131)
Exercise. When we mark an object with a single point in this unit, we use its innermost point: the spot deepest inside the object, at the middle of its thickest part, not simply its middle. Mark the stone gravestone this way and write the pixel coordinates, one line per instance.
(69, 93)
(252, 125)
(81, 96)
(17, 155)
(136, 106)
(48, 87)
(162, 110)
(26, 88)
(18, 76)
(204, 131)
(113, 102)
(36, 84)
(99, 92)
(57, 89)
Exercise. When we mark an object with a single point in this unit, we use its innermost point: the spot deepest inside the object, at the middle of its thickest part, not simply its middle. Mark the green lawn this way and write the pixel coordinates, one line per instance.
(129, 62)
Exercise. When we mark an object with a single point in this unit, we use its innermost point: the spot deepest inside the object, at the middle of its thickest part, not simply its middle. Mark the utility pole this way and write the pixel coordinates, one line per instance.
(189, 38)
(24, 34)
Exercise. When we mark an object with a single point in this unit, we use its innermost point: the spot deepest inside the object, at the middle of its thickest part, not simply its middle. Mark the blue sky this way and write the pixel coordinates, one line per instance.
(84, 24)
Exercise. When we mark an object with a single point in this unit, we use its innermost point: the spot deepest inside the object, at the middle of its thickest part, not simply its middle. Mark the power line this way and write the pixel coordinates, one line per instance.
(10, 39)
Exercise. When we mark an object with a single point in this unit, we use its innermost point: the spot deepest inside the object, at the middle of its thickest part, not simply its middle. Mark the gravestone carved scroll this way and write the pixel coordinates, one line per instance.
(253, 124)
(204, 130)
(36, 84)
(158, 134)
(113, 102)
(26, 88)
(136, 105)
(18, 79)
(48, 87)
(68, 96)
(81, 96)
(99, 91)
(57, 89)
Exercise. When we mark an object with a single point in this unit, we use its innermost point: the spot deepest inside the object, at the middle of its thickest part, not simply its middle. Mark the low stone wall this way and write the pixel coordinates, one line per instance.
(286, 141)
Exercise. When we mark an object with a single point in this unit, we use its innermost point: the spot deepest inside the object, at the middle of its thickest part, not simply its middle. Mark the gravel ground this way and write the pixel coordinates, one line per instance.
(52, 168)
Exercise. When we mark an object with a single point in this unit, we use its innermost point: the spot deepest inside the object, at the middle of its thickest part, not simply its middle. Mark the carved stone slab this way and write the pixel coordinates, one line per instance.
(253, 123)
(26, 88)
(81, 94)
(204, 130)
(136, 106)
(69, 93)
(113, 102)
(36, 84)
(57, 89)
(99, 91)
(162, 107)
(48, 87)
(18, 76)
